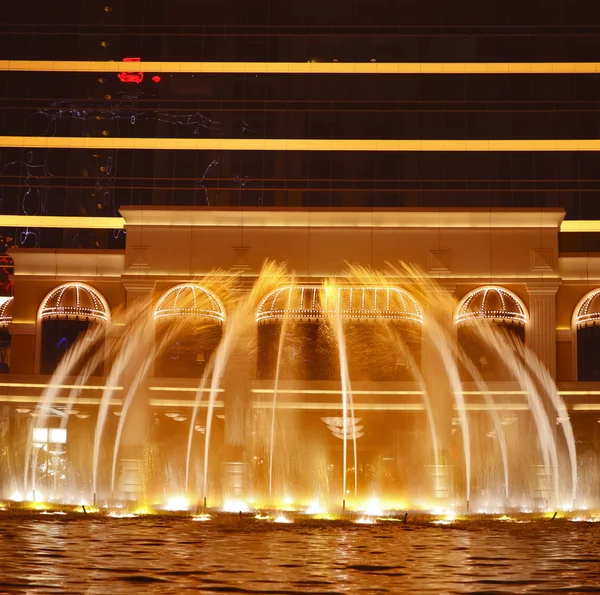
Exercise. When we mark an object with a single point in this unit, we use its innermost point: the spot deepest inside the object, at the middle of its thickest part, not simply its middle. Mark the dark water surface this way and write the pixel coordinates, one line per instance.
(92, 554)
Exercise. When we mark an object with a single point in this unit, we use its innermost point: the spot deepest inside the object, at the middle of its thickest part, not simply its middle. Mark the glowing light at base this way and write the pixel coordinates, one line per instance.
(16, 497)
(447, 520)
(235, 506)
(366, 520)
(177, 503)
(122, 515)
(372, 508)
(202, 518)
(282, 519)
(53, 512)
(262, 517)
(579, 519)
(315, 508)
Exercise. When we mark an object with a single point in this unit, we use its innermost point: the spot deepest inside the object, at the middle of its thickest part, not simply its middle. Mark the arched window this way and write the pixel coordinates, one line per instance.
(65, 314)
(310, 348)
(5, 319)
(499, 307)
(586, 321)
(198, 316)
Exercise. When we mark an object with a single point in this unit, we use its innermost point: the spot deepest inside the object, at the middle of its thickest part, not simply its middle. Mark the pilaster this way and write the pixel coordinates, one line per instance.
(541, 331)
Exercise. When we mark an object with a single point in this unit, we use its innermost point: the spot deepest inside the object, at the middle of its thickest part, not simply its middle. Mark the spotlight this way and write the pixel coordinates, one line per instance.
(106, 132)
(104, 44)
(107, 9)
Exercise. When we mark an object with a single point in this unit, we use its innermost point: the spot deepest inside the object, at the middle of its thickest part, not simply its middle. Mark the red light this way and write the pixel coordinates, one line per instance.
(156, 79)
(131, 77)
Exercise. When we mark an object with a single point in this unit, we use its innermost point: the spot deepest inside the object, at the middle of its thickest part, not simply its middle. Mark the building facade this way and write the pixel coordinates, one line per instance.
(149, 151)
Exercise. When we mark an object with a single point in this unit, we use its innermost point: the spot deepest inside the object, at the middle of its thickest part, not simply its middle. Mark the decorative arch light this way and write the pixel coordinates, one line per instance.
(6, 310)
(189, 299)
(588, 312)
(492, 303)
(355, 303)
(72, 301)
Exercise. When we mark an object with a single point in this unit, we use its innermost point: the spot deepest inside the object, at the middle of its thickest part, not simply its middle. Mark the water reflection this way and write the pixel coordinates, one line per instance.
(96, 554)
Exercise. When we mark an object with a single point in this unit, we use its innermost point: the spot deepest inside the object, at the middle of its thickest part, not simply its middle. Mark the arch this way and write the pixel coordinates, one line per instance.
(587, 311)
(585, 323)
(492, 303)
(72, 301)
(357, 303)
(189, 299)
(6, 311)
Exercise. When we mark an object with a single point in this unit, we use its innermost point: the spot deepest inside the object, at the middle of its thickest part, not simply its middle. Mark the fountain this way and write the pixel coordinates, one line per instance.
(374, 348)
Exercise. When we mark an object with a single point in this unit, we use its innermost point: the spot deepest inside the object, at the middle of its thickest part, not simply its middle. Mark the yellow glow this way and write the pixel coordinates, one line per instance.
(235, 506)
(313, 218)
(307, 67)
(366, 521)
(309, 391)
(202, 518)
(300, 391)
(177, 503)
(372, 507)
(182, 403)
(282, 519)
(585, 407)
(389, 406)
(336, 406)
(296, 144)
(183, 389)
(69, 386)
(577, 225)
(63, 222)
(496, 407)
(57, 400)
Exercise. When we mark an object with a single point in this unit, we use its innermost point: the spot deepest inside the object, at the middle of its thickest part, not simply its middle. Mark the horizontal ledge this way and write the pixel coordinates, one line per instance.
(63, 222)
(580, 226)
(304, 67)
(298, 144)
(57, 400)
(386, 406)
(50, 222)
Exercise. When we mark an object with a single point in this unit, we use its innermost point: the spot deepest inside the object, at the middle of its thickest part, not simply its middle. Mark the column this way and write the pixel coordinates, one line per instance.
(139, 293)
(541, 330)
(439, 387)
(130, 472)
(236, 385)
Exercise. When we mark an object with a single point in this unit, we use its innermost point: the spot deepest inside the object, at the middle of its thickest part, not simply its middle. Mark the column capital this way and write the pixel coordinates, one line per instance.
(448, 287)
(22, 327)
(141, 285)
(549, 287)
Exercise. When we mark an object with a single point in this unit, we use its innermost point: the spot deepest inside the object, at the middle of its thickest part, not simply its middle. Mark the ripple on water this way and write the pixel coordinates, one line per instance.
(54, 554)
